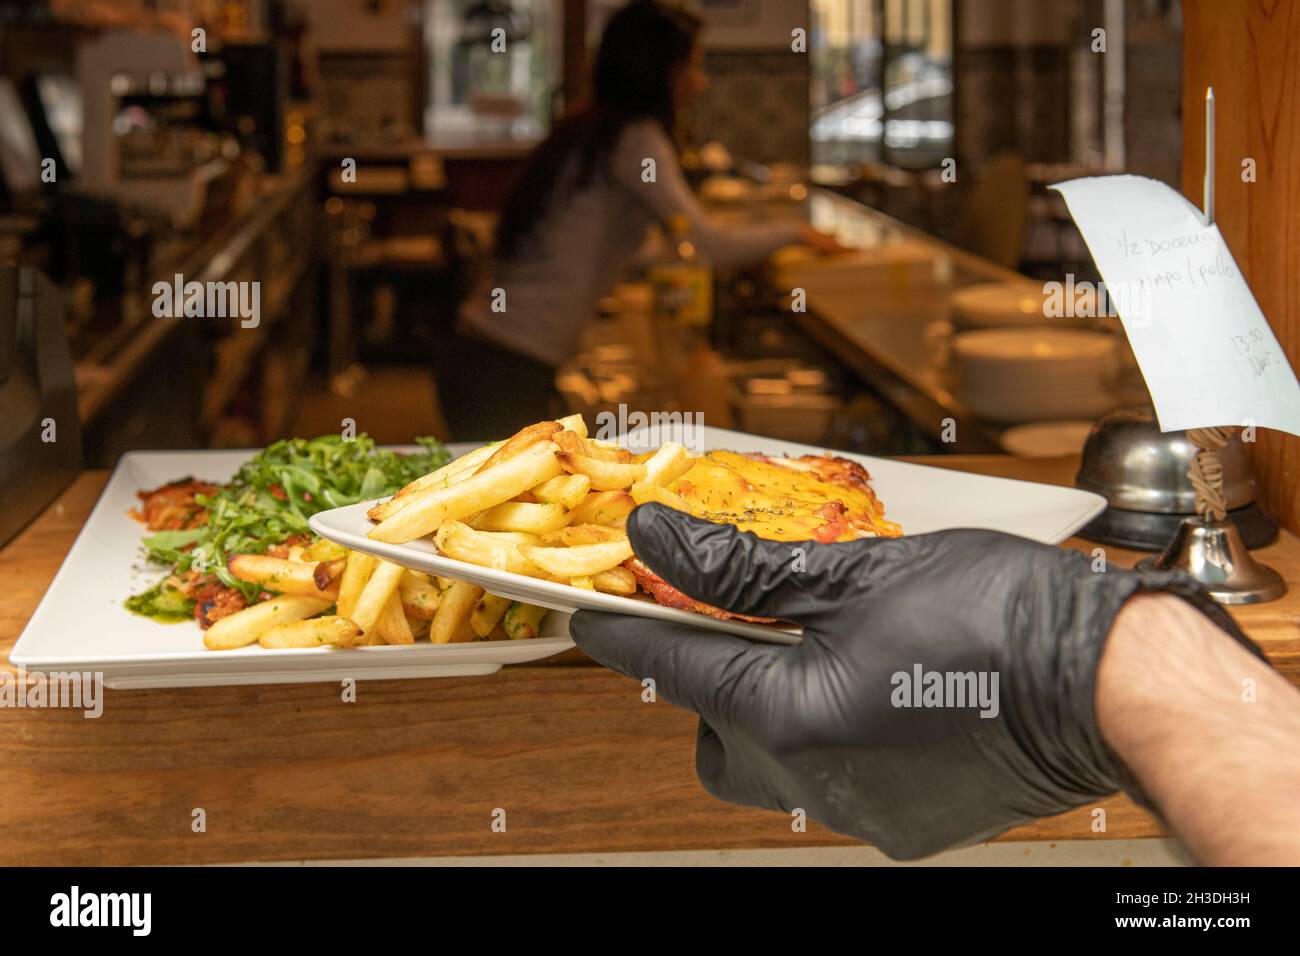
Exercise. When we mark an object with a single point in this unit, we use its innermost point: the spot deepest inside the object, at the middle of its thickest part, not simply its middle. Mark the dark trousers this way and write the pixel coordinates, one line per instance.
(488, 392)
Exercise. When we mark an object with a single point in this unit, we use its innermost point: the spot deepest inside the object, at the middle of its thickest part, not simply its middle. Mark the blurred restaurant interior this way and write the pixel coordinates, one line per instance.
(351, 158)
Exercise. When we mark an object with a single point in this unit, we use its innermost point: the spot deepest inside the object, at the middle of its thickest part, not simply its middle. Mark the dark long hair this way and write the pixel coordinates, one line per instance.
(644, 45)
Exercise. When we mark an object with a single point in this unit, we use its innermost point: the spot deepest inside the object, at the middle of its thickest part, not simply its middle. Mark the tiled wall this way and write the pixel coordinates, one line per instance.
(756, 104)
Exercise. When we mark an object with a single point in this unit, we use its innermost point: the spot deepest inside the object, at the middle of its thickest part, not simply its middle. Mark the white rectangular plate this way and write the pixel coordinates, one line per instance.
(82, 625)
(920, 498)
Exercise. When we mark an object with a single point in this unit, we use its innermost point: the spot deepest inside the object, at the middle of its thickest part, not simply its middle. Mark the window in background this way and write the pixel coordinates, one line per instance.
(484, 93)
(863, 48)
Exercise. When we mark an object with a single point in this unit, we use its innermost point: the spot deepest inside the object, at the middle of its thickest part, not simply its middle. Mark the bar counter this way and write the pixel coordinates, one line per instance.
(416, 768)
(889, 326)
(178, 378)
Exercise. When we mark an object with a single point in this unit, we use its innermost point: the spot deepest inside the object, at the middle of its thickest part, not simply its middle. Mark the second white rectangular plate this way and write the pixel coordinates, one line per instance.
(82, 625)
(920, 498)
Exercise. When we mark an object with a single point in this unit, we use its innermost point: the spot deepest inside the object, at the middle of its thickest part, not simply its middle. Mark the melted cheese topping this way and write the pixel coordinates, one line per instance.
(778, 499)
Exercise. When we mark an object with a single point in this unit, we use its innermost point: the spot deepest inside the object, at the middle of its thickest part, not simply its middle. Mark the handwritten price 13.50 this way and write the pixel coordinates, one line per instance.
(1253, 347)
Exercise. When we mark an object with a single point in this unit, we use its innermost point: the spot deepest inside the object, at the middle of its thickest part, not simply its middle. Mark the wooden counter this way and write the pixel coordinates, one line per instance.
(414, 767)
(887, 336)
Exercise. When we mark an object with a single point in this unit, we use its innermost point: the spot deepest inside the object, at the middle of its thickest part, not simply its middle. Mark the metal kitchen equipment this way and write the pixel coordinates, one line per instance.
(1142, 474)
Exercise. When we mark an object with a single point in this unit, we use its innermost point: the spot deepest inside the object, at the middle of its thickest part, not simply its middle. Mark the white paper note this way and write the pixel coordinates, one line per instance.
(1205, 349)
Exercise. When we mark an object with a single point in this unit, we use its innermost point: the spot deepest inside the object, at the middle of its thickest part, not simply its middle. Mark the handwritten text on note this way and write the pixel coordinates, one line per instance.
(1205, 349)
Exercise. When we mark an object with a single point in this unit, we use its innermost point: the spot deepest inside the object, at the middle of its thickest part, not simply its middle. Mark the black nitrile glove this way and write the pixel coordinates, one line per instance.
(818, 726)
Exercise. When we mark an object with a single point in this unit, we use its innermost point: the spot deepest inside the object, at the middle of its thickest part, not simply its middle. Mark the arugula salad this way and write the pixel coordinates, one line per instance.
(196, 527)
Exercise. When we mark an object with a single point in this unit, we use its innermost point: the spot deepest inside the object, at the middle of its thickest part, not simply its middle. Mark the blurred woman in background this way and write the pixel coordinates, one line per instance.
(580, 215)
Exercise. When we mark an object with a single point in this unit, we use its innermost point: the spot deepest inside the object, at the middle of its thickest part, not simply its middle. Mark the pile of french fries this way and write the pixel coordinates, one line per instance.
(549, 503)
(375, 602)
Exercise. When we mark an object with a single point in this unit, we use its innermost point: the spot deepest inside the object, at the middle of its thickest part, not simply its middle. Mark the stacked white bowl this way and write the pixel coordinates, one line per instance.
(1010, 363)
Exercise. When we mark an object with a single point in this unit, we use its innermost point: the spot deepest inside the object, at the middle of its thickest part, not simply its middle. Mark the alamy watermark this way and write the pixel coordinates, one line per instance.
(208, 300)
(1092, 300)
(955, 689)
(75, 690)
(75, 908)
(646, 431)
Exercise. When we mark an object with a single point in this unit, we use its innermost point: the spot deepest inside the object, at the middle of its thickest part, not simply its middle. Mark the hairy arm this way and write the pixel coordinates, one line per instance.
(1211, 732)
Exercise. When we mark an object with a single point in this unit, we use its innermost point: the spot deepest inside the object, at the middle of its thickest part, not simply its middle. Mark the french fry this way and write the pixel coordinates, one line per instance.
(617, 580)
(392, 626)
(488, 549)
(568, 491)
(570, 441)
(574, 423)
(244, 627)
(581, 534)
(667, 464)
(523, 621)
(604, 475)
(488, 613)
(583, 560)
(464, 633)
(427, 510)
(359, 638)
(446, 476)
(607, 451)
(470, 464)
(575, 444)
(586, 584)
(455, 605)
(355, 575)
(328, 631)
(279, 574)
(518, 442)
(326, 574)
(462, 467)
(374, 597)
(522, 516)
(324, 550)
(643, 492)
(419, 595)
(384, 509)
(603, 507)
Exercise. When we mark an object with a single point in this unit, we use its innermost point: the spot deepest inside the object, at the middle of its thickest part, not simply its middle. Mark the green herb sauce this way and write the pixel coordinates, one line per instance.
(166, 605)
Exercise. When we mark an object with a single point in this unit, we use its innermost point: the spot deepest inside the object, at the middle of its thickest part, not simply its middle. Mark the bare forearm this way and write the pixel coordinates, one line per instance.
(1212, 734)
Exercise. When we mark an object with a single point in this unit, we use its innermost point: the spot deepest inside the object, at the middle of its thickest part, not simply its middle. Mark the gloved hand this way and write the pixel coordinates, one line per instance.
(822, 725)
